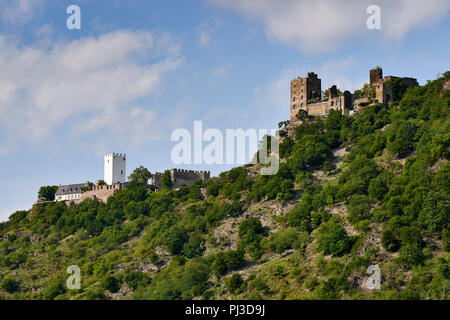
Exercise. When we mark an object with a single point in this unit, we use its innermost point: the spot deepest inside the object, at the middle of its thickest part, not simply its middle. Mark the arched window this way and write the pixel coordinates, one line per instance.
(293, 107)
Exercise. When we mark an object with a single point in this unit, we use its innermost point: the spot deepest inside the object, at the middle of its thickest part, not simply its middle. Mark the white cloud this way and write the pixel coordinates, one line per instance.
(204, 38)
(219, 73)
(206, 31)
(19, 12)
(82, 87)
(323, 25)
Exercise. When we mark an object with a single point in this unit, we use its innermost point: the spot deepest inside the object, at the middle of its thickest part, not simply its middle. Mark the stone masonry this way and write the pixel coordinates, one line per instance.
(181, 177)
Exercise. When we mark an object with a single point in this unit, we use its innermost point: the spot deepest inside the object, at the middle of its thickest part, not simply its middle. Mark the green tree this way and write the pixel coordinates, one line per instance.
(333, 238)
(235, 283)
(47, 192)
(166, 180)
(140, 175)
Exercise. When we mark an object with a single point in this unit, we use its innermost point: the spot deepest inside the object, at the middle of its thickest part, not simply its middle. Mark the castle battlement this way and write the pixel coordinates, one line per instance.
(181, 177)
(113, 154)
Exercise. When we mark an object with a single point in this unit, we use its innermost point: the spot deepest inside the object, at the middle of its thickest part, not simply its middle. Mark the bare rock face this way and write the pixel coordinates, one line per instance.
(446, 84)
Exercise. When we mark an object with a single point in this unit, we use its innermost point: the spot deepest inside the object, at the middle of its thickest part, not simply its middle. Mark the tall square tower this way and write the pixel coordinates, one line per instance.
(115, 168)
(302, 90)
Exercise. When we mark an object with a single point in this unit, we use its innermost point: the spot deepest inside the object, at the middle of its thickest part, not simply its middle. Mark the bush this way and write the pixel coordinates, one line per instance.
(284, 240)
(54, 289)
(410, 255)
(135, 279)
(174, 239)
(333, 238)
(111, 284)
(358, 208)
(250, 230)
(94, 294)
(389, 241)
(234, 284)
(10, 284)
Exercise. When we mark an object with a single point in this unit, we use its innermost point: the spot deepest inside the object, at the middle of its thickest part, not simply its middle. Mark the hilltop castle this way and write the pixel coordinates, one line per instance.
(307, 95)
(115, 179)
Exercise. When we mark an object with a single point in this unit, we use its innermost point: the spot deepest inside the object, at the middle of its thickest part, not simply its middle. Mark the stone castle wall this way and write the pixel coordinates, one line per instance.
(181, 177)
(102, 193)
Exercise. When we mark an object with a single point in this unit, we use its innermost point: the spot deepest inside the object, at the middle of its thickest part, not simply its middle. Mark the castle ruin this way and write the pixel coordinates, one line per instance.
(307, 95)
(181, 177)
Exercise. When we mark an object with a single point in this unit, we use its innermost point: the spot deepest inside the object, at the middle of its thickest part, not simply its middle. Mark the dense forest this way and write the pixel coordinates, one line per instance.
(352, 191)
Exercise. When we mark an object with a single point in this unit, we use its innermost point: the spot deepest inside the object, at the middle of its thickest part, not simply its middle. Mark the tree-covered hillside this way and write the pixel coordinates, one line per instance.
(369, 189)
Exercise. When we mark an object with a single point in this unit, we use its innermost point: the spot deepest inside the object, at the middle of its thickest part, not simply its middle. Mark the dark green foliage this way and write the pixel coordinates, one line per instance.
(166, 180)
(111, 284)
(378, 187)
(333, 238)
(230, 260)
(140, 175)
(55, 288)
(136, 279)
(399, 88)
(410, 255)
(235, 284)
(9, 284)
(284, 240)
(390, 241)
(174, 239)
(401, 138)
(18, 216)
(358, 208)
(48, 192)
(310, 151)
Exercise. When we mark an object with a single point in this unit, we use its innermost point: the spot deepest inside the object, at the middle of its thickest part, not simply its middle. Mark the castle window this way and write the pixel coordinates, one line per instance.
(121, 171)
(293, 107)
(293, 99)
(332, 103)
(301, 105)
(302, 97)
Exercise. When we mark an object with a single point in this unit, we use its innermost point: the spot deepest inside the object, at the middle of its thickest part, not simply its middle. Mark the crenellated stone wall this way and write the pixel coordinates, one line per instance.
(181, 177)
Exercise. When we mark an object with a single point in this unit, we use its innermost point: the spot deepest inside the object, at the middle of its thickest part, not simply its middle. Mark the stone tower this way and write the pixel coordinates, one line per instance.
(302, 90)
(115, 168)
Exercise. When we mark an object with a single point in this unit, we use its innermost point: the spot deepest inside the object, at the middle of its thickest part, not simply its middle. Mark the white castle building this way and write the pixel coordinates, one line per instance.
(115, 168)
(114, 172)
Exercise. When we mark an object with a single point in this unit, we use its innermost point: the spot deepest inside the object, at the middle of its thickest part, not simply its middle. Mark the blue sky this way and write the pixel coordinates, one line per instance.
(138, 69)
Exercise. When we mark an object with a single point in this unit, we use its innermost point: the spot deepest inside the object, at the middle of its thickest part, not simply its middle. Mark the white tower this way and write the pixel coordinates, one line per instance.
(115, 165)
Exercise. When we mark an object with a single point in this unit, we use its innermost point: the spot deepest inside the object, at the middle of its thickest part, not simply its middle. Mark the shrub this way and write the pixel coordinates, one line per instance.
(55, 288)
(234, 284)
(333, 239)
(250, 230)
(389, 241)
(284, 240)
(174, 239)
(10, 284)
(94, 294)
(358, 208)
(410, 255)
(111, 284)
